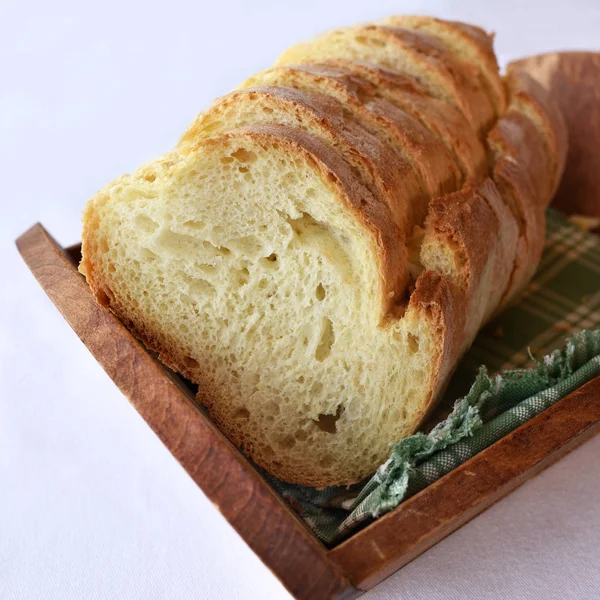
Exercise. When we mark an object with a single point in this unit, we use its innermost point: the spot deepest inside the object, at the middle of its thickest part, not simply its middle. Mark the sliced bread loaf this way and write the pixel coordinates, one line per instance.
(318, 251)
(260, 267)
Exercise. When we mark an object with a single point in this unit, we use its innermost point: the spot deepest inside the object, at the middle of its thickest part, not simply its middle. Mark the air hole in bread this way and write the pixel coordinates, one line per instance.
(226, 160)
(326, 461)
(244, 156)
(327, 423)
(103, 245)
(195, 225)
(272, 257)
(316, 388)
(207, 268)
(242, 276)
(320, 292)
(147, 254)
(371, 42)
(102, 298)
(241, 414)
(150, 177)
(191, 363)
(249, 246)
(287, 442)
(145, 223)
(180, 244)
(413, 342)
(243, 169)
(306, 223)
(267, 110)
(290, 179)
(326, 340)
(301, 435)
(198, 286)
(272, 408)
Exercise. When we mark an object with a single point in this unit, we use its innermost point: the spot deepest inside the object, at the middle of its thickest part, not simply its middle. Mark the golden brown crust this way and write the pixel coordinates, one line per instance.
(529, 96)
(463, 222)
(528, 144)
(515, 135)
(415, 143)
(465, 43)
(412, 142)
(505, 252)
(483, 232)
(522, 173)
(572, 80)
(514, 182)
(443, 303)
(415, 53)
(441, 118)
(459, 80)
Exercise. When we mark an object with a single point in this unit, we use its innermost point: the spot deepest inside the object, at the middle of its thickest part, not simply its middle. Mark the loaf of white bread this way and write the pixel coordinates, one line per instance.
(326, 240)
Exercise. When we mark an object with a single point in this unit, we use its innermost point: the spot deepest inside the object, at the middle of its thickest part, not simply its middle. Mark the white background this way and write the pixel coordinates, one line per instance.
(91, 505)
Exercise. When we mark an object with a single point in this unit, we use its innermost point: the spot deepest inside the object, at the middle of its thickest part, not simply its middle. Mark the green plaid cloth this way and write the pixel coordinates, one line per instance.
(557, 318)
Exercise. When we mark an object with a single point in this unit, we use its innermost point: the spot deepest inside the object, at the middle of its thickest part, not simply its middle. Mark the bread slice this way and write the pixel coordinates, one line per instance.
(257, 265)
(412, 141)
(465, 43)
(417, 54)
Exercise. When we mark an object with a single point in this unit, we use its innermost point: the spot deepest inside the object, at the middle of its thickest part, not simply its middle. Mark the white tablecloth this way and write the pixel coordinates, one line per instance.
(91, 505)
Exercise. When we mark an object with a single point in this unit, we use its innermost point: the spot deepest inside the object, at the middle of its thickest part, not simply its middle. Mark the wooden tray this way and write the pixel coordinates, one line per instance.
(293, 553)
(274, 532)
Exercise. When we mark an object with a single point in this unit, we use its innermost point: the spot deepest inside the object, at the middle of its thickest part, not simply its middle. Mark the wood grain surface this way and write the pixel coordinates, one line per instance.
(573, 79)
(244, 498)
